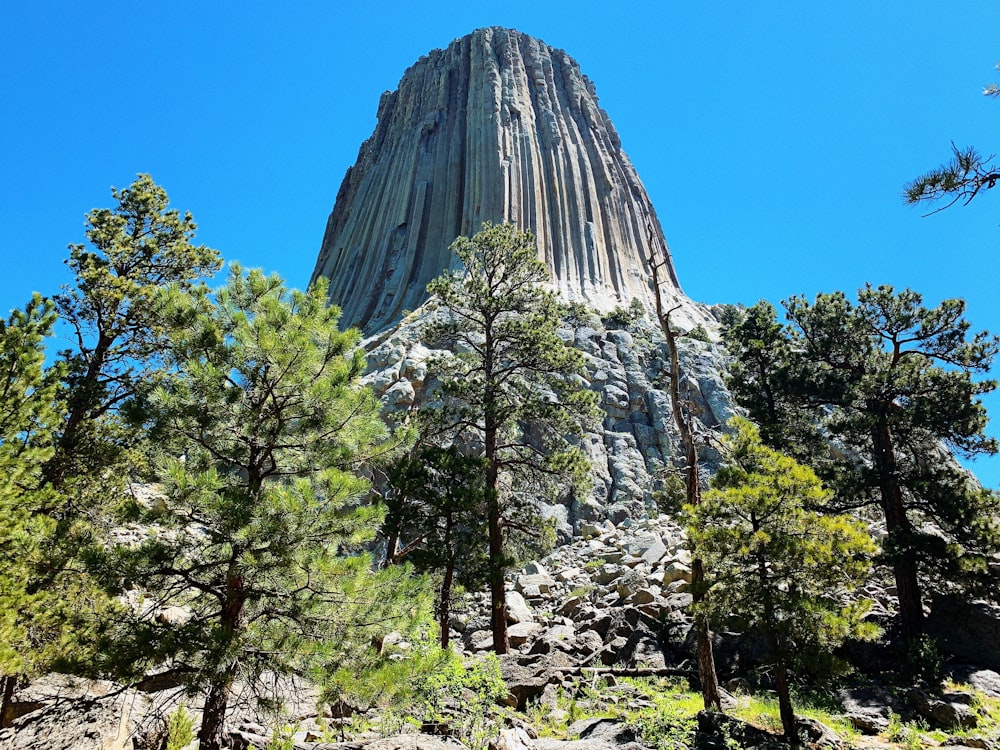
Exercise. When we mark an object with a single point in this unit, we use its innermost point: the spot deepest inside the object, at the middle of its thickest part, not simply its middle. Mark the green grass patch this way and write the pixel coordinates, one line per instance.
(663, 713)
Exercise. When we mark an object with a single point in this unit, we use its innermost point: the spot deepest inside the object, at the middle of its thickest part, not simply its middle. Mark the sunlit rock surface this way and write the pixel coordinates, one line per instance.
(633, 445)
(496, 127)
(501, 127)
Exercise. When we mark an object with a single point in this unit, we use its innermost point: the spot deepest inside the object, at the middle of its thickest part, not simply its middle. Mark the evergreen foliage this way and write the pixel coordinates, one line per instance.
(390, 677)
(65, 468)
(511, 389)
(776, 564)
(436, 495)
(265, 433)
(890, 382)
(180, 729)
(28, 413)
(961, 178)
(117, 326)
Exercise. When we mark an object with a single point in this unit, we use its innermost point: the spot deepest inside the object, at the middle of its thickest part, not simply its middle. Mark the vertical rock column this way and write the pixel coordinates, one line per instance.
(497, 127)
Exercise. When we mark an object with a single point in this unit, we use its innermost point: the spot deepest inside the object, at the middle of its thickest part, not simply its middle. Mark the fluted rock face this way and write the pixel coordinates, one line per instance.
(497, 127)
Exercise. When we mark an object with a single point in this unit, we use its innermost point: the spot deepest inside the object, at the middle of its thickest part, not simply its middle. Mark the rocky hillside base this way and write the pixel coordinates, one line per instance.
(599, 630)
(631, 449)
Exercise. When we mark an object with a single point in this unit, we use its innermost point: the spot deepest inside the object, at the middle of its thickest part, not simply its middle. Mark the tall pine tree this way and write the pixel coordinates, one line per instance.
(265, 435)
(893, 382)
(116, 324)
(28, 415)
(511, 387)
(776, 564)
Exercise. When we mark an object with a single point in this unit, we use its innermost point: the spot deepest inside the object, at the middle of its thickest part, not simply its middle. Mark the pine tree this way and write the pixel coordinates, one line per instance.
(774, 564)
(961, 178)
(436, 497)
(265, 432)
(28, 414)
(892, 382)
(114, 315)
(511, 388)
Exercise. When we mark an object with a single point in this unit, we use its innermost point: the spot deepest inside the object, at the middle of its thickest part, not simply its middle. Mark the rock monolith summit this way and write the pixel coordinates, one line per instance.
(498, 126)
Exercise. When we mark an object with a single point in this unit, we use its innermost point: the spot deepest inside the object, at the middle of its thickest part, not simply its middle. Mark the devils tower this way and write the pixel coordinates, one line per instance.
(497, 127)
(501, 127)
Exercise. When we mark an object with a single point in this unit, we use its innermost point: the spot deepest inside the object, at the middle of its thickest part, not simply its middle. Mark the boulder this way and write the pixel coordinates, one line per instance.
(587, 643)
(609, 572)
(715, 730)
(535, 568)
(568, 574)
(535, 584)
(816, 733)
(676, 571)
(969, 630)
(517, 608)
(519, 633)
(869, 708)
(413, 742)
(524, 683)
(946, 711)
(654, 553)
(985, 681)
(513, 738)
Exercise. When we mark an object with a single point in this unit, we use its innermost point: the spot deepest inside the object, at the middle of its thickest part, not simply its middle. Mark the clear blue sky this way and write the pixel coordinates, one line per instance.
(774, 137)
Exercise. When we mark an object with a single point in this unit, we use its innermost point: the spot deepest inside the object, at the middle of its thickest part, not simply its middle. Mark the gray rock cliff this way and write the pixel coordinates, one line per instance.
(497, 127)
(635, 443)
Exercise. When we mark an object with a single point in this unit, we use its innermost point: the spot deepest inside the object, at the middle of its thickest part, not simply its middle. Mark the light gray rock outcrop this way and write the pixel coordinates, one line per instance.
(635, 442)
(593, 612)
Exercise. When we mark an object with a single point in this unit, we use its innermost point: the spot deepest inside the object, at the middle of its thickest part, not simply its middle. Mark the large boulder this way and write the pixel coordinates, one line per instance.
(869, 708)
(948, 710)
(969, 630)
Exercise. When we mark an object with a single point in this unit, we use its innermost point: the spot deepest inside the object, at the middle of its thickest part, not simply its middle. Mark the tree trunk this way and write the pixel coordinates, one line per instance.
(444, 609)
(706, 657)
(81, 402)
(692, 481)
(214, 713)
(498, 597)
(214, 710)
(785, 704)
(391, 544)
(899, 534)
(8, 683)
(444, 606)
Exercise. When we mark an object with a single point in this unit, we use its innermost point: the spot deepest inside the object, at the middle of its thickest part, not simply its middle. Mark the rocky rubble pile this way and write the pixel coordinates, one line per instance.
(634, 444)
(614, 596)
(615, 600)
(610, 597)
(612, 600)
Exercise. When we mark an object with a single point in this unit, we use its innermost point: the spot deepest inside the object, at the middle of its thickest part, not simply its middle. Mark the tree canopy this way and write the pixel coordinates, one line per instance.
(959, 179)
(265, 433)
(512, 386)
(29, 410)
(888, 384)
(113, 312)
(777, 564)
